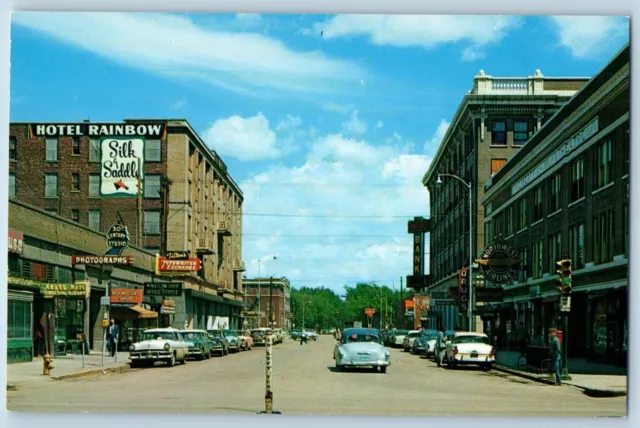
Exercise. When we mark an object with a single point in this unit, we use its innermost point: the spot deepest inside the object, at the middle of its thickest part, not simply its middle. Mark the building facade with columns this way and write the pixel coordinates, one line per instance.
(493, 121)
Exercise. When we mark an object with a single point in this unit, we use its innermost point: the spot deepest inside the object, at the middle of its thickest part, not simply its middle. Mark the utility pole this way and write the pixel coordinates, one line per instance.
(270, 323)
(139, 211)
(402, 309)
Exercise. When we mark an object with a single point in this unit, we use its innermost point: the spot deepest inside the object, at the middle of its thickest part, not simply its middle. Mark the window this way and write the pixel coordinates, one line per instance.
(152, 152)
(51, 185)
(94, 219)
(19, 319)
(52, 150)
(13, 153)
(520, 132)
(538, 212)
(523, 214)
(555, 194)
(524, 265)
(75, 215)
(152, 222)
(12, 185)
(537, 259)
(496, 164)
(76, 146)
(577, 180)
(94, 150)
(603, 172)
(555, 248)
(94, 186)
(75, 181)
(510, 220)
(152, 186)
(603, 237)
(576, 245)
(499, 133)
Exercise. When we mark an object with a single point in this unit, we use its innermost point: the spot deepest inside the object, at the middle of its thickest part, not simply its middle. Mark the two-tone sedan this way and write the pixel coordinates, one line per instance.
(397, 340)
(260, 336)
(361, 347)
(236, 344)
(407, 343)
(470, 348)
(200, 344)
(219, 345)
(425, 343)
(161, 344)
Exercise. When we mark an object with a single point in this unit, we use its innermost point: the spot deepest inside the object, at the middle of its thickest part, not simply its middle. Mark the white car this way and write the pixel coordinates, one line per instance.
(160, 344)
(361, 347)
(470, 348)
(407, 343)
(398, 338)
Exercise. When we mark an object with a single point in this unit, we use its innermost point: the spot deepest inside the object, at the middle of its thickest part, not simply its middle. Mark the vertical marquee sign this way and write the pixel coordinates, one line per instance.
(418, 227)
(463, 290)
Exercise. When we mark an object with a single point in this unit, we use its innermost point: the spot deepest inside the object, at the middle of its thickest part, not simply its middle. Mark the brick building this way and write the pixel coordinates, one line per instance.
(188, 201)
(566, 193)
(493, 121)
(275, 298)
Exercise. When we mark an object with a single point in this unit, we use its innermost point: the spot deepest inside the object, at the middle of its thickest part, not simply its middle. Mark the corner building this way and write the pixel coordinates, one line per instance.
(275, 297)
(199, 210)
(492, 123)
(566, 194)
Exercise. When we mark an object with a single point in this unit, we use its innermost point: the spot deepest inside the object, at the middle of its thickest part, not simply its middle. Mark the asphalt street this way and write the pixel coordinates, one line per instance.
(305, 382)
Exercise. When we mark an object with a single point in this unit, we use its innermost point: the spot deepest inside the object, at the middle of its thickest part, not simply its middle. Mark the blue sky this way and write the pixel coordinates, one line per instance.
(321, 116)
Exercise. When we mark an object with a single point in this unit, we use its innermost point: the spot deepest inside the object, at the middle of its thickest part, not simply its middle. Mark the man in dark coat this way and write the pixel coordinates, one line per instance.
(113, 334)
(555, 349)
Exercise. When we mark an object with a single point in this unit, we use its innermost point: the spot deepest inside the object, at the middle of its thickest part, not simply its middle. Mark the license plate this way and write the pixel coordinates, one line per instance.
(474, 355)
(364, 358)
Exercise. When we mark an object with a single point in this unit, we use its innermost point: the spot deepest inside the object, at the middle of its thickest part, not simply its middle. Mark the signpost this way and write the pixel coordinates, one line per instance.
(498, 262)
(369, 312)
(418, 227)
(268, 396)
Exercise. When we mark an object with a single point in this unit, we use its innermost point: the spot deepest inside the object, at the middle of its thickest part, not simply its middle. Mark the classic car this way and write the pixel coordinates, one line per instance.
(219, 346)
(236, 344)
(397, 340)
(260, 335)
(310, 334)
(161, 344)
(361, 347)
(245, 336)
(425, 343)
(470, 348)
(278, 335)
(200, 344)
(295, 334)
(407, 342)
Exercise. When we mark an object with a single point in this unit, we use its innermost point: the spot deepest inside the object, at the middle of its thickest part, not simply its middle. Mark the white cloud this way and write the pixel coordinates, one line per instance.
(289, 123)
(179, 104)
(246, 139)
(249, 19)
(174, 46)
(379, 124)
(431, 145)
(590, 36)
(354, 126)
(420, 30)
(337, 108)
(340, 177)
(472, 53)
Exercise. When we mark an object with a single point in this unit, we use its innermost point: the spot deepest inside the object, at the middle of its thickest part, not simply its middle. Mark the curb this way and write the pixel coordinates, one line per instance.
(121, 369)
(591, 392)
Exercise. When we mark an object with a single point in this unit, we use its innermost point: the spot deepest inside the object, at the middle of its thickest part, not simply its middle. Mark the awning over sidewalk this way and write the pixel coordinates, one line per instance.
(144, 313)
(133, 313)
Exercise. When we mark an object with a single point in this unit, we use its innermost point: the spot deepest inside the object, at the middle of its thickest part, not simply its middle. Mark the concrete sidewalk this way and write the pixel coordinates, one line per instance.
(595, 380)
(65, 367)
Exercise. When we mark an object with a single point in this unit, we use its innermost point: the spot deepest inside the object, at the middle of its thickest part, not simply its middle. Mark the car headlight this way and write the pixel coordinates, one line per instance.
(167, 346)
(132, 347)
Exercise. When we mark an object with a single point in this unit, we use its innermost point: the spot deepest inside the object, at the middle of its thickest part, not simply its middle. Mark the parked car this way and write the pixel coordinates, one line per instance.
(235, 343)
(245, 335)
(199, 342)
(161, 344)
(310, 335)
(407, 342)
(295, 334)
(361, 347)
(220, 344)
(279, 335)
(470, 348)
(398, 338)
(259, 336)
(425, 343)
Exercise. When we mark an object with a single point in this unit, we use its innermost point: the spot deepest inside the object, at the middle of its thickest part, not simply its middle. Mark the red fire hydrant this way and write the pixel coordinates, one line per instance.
(47, 364)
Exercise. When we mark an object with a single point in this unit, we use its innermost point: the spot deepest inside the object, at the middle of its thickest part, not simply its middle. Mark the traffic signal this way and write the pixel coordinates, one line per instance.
(563, 269)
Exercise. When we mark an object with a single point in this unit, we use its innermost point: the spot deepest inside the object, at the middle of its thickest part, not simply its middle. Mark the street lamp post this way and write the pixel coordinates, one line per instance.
(470, 277)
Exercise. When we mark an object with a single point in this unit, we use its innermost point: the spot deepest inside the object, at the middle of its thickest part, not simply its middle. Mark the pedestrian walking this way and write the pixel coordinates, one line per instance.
(556, 353)
(523, 340)
(303, 338)
(440, 346)
(113, 334)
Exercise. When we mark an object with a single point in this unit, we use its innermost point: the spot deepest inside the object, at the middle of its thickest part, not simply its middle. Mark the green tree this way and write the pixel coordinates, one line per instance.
(316, 308)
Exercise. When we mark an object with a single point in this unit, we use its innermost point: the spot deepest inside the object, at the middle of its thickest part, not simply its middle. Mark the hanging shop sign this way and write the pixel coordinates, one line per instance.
(168, 307)
(419, 225)
(86, 129)
(101, 260)
(125, 297)
(62, 290)
(369, 312)
(418, 250)
(16, 242)
(498, 262)
(418, 282)
(177, 255)
(162, 289)
(489, 294)
(118, 237)
(164, 266)
(463, 289)
(122, 166)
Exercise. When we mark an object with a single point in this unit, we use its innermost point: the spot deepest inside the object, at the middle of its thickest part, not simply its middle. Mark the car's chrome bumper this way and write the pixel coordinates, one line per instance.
(149, 355)
(354, 363)
(196, 351)
(480, 359)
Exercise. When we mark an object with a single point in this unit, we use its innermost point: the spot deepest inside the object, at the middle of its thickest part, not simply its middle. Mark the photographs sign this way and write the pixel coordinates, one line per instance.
(498, 263)
(101, 260)
(163, 289)
(485, 294)
(164, 266)
(121, 158)
(16, 242)
(148, 130)
(125, 296)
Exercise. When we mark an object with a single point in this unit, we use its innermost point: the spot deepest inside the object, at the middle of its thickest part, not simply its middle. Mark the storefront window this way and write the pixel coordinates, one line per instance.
(19, 320)
(600, 327)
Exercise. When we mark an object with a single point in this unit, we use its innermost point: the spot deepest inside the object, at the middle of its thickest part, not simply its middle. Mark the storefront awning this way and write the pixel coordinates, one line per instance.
(144, 313)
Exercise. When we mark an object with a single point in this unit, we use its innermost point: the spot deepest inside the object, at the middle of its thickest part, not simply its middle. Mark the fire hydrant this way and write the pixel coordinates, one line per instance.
(47, 364)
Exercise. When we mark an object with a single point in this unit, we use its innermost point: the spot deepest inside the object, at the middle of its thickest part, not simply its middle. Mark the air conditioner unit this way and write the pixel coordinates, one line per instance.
(204, 246)
(223, 228)
(223, 283)
(238, 266)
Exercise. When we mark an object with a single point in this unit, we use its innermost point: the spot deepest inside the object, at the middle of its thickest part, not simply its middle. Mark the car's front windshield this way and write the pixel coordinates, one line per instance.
(402, 332)
(472, 339)
(215, 333)
(362, 338)
(230, 333)
(190, 335)
(414, 334)
(159, 335)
